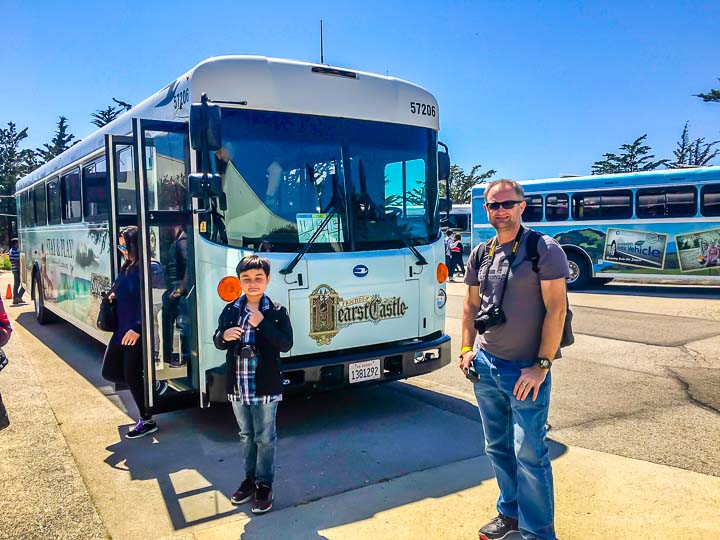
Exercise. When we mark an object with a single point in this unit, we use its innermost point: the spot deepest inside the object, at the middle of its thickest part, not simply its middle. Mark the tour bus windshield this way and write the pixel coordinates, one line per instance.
(283, 173)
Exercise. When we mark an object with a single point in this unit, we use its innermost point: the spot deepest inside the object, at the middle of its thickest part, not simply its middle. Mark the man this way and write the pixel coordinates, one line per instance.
(14, 254)
(174, 303)
(522, 313)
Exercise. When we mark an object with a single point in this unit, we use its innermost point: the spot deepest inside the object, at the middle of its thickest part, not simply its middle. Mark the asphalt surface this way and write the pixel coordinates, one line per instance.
(642, 379)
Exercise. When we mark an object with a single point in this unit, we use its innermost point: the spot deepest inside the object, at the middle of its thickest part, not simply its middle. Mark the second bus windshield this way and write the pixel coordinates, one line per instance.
(283, 173)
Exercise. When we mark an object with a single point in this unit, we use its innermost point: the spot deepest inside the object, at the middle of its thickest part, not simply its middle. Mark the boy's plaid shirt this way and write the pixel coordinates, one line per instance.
(245, 391)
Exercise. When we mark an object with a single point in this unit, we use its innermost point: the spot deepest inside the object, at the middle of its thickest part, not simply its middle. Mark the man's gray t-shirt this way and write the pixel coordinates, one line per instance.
(519, 337)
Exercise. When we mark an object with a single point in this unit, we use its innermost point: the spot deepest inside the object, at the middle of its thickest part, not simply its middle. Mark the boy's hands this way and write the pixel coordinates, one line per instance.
(232, 334)
(255, 317)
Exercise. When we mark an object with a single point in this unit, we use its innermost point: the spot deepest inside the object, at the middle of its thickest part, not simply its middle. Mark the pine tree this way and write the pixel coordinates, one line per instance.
(697, 153)
(634, 157)
(712, 95)
(461, 183)
(14, 164)
(59, 143)
(103, 117)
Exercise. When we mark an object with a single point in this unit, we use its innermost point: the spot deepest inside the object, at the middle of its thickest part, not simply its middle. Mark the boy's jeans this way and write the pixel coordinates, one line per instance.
(515, 443)
(258, 438)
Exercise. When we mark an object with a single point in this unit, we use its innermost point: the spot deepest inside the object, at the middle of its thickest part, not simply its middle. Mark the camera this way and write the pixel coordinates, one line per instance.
(244, 351)
(492, 315)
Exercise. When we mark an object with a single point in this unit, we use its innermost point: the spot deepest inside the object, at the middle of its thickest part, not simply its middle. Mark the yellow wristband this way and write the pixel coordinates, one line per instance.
(465, 349)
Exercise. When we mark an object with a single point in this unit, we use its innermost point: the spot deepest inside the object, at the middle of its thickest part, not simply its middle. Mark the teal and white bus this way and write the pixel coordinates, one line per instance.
(636, 226)
(330, 173)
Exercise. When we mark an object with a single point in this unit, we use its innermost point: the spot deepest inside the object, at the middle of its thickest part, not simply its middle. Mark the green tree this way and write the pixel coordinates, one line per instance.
(634, 157)
(59, 143)
(712, 95)
(103, 117)
(695, 153)
(461, 182)
(14, 164)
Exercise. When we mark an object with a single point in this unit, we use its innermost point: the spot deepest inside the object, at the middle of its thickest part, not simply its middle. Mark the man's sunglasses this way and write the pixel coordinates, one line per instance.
(507, 205)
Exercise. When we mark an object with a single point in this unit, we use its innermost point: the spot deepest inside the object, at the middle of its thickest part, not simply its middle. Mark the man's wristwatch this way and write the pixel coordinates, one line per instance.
(544, 363)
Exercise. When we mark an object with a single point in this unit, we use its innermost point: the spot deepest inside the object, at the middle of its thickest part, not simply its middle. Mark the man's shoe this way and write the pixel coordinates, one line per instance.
(498, 528)
(177, 363)
(141, 429)
(245, 492)
(263, 499)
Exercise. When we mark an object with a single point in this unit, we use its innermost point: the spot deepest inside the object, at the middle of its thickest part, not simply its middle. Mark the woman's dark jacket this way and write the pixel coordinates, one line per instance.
(127, 297)
(273, 335)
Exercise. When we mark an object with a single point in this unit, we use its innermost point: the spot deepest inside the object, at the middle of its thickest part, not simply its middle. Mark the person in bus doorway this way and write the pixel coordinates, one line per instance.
(14, 255)
(519, 314)
(124, 353)
(254, 330)
(174, 302)
(456, 257)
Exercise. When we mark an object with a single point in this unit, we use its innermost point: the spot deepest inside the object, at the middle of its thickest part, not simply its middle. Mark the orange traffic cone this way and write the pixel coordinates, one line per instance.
(8, 293)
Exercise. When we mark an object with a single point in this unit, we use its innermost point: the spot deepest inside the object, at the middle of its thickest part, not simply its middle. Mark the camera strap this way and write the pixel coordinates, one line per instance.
(510, 260)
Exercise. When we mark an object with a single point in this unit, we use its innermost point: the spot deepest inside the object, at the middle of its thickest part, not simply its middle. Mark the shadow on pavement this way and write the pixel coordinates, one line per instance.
(328, 444)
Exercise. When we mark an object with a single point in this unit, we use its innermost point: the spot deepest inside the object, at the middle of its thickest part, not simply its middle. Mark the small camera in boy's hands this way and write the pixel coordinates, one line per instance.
(471, 375)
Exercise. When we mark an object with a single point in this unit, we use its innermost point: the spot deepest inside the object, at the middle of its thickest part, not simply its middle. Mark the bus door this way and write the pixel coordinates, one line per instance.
(149, 189)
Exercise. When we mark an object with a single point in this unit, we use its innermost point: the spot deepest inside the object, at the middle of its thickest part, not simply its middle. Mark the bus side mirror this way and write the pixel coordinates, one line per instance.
(205, 126)
(445, 204)
(444, 167)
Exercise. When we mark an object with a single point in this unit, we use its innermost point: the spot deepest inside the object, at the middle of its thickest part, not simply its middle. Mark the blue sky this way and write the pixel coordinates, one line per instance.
(532, 89)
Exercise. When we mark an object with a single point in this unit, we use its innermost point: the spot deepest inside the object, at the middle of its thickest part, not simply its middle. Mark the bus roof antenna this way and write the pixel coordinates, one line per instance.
(322, 55)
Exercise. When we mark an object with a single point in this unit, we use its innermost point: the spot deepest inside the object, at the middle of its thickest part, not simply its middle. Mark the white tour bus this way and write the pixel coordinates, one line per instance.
(331, 174)
(636, 226)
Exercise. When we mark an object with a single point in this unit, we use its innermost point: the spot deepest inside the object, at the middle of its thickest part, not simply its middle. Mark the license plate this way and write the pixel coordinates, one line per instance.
(364, 371)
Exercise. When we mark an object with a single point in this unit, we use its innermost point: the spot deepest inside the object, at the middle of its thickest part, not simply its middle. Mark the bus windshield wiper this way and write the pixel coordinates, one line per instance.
(330, 210)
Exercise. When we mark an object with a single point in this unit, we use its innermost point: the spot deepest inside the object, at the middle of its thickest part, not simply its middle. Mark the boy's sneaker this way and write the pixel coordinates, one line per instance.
(245, 492)
(498, 528)
(141, 429)
(263, 499)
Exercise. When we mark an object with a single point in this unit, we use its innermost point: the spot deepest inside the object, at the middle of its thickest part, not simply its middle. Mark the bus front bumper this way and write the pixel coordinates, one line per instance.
(379, 365)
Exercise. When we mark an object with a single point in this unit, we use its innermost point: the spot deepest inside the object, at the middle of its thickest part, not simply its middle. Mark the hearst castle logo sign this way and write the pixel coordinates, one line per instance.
(329, 313)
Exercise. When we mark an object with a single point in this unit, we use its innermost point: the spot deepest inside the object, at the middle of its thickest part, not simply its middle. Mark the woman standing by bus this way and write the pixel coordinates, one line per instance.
(124, 355)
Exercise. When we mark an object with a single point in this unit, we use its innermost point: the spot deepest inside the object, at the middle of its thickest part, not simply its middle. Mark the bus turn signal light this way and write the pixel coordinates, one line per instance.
(229, 288)
(441, 273)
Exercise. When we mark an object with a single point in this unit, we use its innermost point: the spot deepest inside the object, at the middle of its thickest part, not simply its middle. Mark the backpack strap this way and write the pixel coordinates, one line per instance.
(532, 249)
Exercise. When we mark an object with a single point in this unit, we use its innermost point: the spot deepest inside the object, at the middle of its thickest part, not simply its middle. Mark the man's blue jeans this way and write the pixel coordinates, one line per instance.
(258, 439)
(515, 443)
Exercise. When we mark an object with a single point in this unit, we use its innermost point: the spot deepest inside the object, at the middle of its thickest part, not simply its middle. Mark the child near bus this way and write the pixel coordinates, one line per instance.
(254, 330)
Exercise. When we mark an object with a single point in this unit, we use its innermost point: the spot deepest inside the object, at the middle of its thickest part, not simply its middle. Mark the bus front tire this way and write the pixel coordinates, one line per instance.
(579, 272)
(42, 315)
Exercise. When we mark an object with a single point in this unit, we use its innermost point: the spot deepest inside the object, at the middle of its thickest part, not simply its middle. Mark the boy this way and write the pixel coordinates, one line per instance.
(254, 331)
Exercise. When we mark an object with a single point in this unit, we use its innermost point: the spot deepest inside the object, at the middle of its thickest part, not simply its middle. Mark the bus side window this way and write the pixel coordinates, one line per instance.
(557, 207)
(607, 204)
(710, 200)
(533, 208)
(39, 210)
(70, 191)
(53, 201)
(675, 201)
(95, 190)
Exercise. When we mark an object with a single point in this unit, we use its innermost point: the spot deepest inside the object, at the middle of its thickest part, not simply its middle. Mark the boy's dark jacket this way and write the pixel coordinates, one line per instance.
(272, 336)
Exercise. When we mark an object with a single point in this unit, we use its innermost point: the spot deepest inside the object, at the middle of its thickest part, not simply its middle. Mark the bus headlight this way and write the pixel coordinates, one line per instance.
(440, 299)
